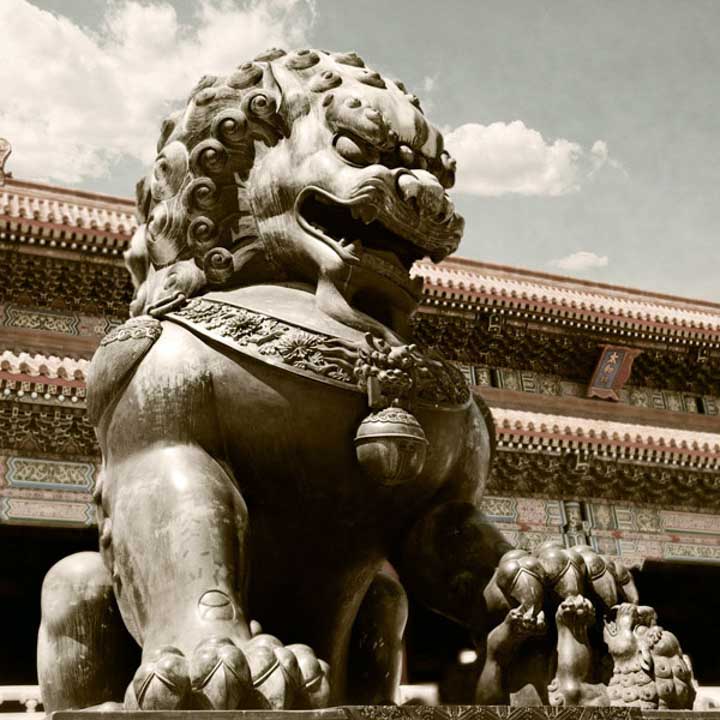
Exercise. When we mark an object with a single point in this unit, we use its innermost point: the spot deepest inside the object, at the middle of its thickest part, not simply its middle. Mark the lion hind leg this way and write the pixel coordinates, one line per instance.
(376, 649)
(85, 654)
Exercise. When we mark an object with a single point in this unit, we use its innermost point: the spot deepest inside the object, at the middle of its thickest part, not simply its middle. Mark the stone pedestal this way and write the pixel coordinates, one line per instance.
(407, 712)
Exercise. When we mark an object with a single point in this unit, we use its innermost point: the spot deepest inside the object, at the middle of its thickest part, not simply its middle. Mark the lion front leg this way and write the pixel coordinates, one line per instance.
(376, 645)
(174, 533)
(459, 565)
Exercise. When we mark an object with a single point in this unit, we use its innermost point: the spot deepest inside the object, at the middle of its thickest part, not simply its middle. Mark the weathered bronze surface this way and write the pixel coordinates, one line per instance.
(278, 456)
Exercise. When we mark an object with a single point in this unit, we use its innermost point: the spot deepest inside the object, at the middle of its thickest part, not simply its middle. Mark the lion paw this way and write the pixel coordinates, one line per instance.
(286, 677)
(219, 675)
(575, 612)
(162, 682)
(263, 674)
(523, 623)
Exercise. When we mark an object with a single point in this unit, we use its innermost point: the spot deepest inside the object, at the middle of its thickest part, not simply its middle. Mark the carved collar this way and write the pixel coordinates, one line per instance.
(387, 374)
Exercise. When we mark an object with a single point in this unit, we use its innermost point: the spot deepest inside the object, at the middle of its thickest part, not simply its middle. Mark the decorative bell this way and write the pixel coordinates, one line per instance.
(391, 446)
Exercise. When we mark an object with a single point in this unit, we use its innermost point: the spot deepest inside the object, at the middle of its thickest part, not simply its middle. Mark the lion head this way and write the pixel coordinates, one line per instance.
(301, 167)
(627, 629)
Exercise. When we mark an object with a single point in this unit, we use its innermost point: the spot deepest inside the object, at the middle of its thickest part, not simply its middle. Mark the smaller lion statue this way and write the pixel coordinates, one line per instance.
(650, 670)
(602, 649)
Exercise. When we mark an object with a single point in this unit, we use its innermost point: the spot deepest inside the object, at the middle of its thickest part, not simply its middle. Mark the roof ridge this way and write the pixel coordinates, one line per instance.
(467, 265)
(595, 431)
(14, 183)
(39, 364)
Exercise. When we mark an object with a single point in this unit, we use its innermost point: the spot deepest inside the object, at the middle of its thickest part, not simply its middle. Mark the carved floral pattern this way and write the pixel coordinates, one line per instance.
(494, 712)
(134, 329)
(272, 338)
(437, 381)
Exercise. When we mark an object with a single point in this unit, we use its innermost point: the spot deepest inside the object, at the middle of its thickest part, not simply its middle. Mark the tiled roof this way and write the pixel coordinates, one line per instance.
(56, 217)
(639, 443)
(38, 365)
(63, 218)
(466, 284)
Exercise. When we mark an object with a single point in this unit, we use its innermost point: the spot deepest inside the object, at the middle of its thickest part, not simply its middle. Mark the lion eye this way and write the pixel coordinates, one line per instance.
(355, 151)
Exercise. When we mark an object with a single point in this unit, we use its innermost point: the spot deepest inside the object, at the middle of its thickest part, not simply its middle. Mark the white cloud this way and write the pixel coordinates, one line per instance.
(429, 83)
(74, 100)
(503, 158)
(599, 153)
(581, 260)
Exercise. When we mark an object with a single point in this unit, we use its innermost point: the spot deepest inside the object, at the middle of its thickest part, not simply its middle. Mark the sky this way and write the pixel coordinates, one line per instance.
(586, 131)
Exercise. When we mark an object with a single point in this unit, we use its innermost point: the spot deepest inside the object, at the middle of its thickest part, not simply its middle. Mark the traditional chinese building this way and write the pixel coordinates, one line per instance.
(606, 404)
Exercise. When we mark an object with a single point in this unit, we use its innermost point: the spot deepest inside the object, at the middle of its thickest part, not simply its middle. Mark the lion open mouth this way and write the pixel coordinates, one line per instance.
(611, 627)
(611, 620)
(619, 617)
(354, 230)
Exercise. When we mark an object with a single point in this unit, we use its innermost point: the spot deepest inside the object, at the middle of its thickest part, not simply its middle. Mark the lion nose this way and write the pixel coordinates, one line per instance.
(423, 190)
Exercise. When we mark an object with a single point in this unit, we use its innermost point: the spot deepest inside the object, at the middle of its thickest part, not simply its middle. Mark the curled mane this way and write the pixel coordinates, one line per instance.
(198, 228)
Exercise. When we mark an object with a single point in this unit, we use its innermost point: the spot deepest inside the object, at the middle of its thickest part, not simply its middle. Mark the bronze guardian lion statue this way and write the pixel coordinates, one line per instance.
(278, 457)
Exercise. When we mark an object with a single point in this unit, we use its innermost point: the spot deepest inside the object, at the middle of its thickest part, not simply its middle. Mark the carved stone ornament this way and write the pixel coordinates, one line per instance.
(5, 151)
(391, 446)
(271, 340)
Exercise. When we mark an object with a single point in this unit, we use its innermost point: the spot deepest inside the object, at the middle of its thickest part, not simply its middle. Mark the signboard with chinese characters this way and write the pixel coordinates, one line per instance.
(612, 371)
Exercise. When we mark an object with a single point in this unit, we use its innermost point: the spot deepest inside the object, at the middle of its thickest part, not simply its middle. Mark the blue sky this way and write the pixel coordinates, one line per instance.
(586, 133)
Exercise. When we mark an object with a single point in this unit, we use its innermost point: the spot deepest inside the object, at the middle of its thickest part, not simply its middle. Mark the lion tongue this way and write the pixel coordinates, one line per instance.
(389, 257)
(366, 213)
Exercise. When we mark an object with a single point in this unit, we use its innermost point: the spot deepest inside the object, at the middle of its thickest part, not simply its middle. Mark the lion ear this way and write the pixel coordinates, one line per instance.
(136, 257)
(142, 198)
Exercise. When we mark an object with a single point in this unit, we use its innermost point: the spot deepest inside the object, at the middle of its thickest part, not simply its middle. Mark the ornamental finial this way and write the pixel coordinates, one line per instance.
(5, 150)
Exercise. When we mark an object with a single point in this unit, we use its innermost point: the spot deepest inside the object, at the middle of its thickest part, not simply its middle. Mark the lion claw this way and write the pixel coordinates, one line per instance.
(315, 678)
(160, 683)
(286, 677)
(524, 622)
(219, 675)
(575, 610)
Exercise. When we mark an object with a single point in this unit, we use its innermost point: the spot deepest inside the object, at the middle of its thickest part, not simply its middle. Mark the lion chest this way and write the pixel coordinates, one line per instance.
(292, 445)
(282, 406)
(294, 393)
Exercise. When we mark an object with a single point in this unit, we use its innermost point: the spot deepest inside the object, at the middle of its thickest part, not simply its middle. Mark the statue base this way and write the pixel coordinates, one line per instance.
(405, 712)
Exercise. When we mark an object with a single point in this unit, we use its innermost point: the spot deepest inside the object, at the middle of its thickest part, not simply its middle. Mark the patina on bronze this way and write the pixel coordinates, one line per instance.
(271, 438)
